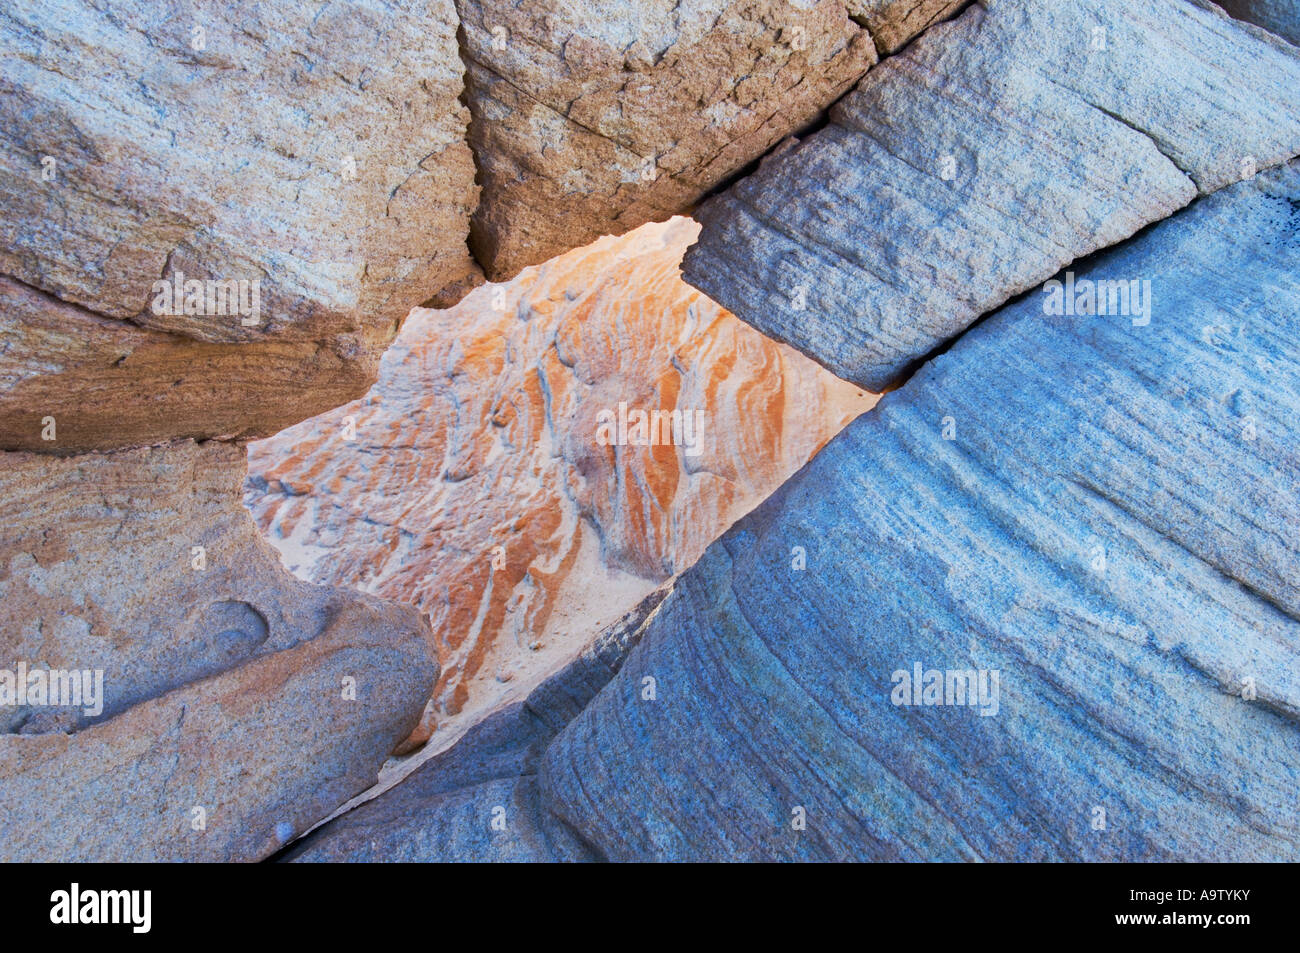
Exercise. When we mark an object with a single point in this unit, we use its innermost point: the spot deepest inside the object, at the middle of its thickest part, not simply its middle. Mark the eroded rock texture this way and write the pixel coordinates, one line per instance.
(473, 483)
(226, 696)
(317, 149)
(1112, 528)
(1097, 507)
(591, 119)
(892, 23)
(973, 165)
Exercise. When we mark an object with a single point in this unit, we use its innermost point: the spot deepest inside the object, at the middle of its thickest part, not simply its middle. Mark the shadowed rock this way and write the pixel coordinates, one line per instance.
(1086, 518)
(105, 384)
(478, 801)
(975, 164)
(1278, 16)
(234, 696)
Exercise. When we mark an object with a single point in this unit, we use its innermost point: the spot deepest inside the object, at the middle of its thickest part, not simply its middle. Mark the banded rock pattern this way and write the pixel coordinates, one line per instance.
(1097, 507)
(478, 801)
(972, 166)
(485, 431)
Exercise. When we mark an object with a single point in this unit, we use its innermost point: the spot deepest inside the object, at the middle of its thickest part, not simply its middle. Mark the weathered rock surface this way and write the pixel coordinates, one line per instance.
(591, 119)
(1278, 16)
(972, 166)
(1097, 509)
(318, 150)
(478, 801)
(224, 678)
(893, 23)
(1112, 528)
(472, 481)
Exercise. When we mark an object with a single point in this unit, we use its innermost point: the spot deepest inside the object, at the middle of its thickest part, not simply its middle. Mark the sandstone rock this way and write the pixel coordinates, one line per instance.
(478, 801)
(1278, 16)
(224, 678)
(1111, 528)
(591, 119)
(315, 149)
(470, 481)
(972, 166)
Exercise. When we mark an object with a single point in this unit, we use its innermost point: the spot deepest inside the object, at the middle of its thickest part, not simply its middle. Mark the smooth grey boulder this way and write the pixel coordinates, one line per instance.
(1099, 507)
(991, 152)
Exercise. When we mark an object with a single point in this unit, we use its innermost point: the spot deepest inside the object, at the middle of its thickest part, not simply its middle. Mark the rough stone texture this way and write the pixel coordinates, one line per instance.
(972, 166)
(482, 431)
(1278, 16)
(223, 685)
(109, 384)
(893, 23)
(1123, 670)
(446, 808)
(593, 118)
(136, 148)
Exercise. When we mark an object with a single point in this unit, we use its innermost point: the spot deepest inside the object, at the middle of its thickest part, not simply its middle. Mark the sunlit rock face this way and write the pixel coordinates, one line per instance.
(496, 476)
